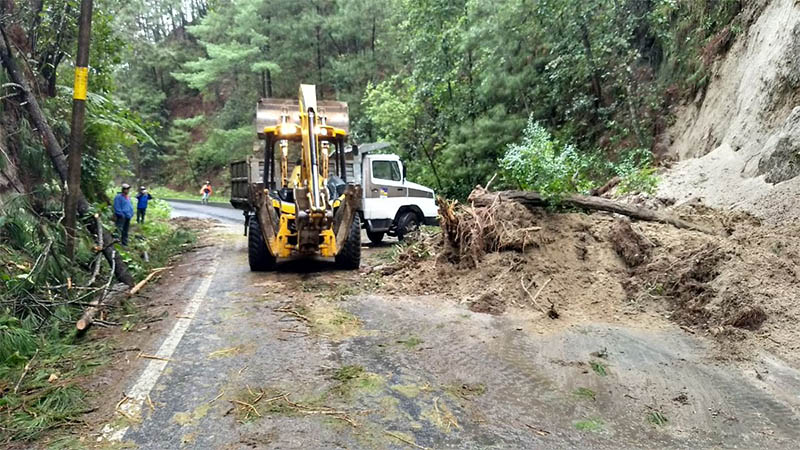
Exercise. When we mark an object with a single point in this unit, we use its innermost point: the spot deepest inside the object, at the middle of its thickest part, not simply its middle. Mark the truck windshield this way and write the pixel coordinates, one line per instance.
(386, 170)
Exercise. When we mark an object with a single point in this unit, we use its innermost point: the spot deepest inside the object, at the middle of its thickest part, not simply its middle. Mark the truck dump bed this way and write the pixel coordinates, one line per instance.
(243, 174)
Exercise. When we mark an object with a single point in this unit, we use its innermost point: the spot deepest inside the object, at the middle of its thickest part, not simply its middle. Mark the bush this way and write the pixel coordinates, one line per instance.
(636, 172)
(541, 164)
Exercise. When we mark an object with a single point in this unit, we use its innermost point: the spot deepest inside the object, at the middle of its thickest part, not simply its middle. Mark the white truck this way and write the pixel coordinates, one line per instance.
(391, 204)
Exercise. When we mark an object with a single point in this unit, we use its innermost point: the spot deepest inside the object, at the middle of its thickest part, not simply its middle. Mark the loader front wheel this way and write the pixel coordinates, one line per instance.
(349, 256)
(261, 260)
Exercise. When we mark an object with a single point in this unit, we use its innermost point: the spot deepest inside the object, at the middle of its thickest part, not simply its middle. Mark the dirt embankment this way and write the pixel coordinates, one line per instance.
(738, 141)
(738, 284)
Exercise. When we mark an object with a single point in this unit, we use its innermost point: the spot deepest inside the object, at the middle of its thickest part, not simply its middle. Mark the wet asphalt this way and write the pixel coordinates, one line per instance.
(429, 373)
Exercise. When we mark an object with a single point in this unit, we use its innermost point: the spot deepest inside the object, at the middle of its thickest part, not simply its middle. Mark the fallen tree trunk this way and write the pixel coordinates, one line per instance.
(611, 184)
(481, 198)
(56, 154)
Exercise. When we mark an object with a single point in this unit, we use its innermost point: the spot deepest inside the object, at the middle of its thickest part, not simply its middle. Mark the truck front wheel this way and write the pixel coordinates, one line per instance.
(261, 260)
(375, 236)
(349, 256)
(407, 223)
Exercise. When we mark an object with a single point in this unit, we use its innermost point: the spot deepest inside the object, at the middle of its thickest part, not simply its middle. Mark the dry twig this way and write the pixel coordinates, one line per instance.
(403, 439)
(25, 371)
(534, 297)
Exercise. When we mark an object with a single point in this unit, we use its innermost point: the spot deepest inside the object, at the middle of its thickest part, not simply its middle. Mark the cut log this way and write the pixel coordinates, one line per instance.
(141, 284)
(55, 152)
(480, 197)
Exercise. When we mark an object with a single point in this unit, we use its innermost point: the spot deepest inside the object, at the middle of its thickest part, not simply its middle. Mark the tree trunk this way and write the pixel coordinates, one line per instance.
(481, 197)
(263, 83)
(53, 149)
(597, 88)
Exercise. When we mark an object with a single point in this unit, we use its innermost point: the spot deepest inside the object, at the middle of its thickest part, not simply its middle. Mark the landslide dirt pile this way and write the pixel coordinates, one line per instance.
(743, 276)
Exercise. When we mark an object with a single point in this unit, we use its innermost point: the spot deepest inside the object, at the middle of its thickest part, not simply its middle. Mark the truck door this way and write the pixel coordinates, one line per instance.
(386, 180)
(384, 191)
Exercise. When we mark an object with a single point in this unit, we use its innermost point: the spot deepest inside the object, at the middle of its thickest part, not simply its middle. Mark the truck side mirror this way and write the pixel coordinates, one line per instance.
(355, 150)
(404, 174)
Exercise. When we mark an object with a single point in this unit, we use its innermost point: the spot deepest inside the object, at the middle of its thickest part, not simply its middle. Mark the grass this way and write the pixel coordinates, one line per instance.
(167, 193)
(411, 343)
(465, 390)
(39, 388)
(592, 425)
(328, 320)
(586, 393)
(338, 292)
(347, 373)
(599, 368)
(354, 378)
(657, 418)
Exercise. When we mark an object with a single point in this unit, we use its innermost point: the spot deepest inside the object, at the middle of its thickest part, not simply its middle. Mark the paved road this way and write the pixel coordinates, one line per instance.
(301, 358)
(224, 214)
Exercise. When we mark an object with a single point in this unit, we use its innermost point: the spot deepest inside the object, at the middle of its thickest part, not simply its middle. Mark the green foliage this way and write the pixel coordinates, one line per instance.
(636, 172)
(586, 393)
(37, 311)
(447, 82)
(540, 164)
(599, 368)
(34, 403)
(657, 418)
(593, 425)
(17, 343)
(221, 147)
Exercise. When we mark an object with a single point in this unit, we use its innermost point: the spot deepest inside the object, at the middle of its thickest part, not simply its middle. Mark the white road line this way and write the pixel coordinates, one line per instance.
(147, 380)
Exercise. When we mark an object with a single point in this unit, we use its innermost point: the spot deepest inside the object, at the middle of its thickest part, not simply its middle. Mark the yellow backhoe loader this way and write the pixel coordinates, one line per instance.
(312, 212)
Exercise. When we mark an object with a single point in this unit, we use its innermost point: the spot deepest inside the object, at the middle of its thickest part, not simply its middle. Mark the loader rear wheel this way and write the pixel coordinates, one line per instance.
(349, 256)
(261, 260)
(375, 236)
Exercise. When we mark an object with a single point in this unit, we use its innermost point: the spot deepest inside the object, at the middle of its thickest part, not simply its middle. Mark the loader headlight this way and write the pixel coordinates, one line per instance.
(322, 131)
(288, 129)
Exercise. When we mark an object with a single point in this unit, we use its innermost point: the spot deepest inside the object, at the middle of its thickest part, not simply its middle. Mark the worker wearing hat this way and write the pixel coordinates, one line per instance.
(141, 203)
(123, 212)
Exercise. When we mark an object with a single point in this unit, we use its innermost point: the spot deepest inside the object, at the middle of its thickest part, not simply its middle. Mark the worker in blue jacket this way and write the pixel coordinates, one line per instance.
(123, 212)
(141, 203)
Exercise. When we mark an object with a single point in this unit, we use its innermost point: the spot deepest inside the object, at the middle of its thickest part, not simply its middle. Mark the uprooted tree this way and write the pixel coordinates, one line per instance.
(488, 224)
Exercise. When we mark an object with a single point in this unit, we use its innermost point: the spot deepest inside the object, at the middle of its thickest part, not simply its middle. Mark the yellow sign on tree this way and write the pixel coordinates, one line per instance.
(81, 83)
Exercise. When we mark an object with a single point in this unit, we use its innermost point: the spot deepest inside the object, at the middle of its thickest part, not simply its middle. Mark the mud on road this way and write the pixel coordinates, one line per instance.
(308, 357)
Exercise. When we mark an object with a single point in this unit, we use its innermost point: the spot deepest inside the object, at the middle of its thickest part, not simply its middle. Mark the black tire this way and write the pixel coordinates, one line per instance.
(407, 223)
(261, 260)
(375, 236)
(349, 256)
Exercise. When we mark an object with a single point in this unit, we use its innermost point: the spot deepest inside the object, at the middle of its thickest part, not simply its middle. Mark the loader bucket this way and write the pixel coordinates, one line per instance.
(270, 111)
(347, 213)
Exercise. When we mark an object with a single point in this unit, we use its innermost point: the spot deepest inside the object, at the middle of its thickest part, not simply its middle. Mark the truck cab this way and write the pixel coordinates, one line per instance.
(391, 204)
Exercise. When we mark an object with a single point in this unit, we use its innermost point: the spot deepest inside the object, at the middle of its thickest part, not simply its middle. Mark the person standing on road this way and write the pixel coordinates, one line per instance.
(123, 212)
(141, 203)
(206, 192)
